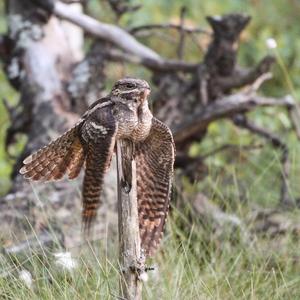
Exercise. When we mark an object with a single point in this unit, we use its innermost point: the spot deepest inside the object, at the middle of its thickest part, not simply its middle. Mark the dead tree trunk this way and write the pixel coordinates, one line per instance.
(42, 62)
(131, 262)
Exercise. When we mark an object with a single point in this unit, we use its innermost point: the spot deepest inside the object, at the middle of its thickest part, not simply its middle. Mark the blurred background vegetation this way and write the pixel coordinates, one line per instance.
(276, 19)
(236, 179)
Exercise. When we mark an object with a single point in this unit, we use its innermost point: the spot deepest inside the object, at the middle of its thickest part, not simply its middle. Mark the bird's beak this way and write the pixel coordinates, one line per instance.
(145, 93)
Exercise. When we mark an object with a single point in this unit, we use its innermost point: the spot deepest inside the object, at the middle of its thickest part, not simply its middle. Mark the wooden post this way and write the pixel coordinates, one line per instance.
(131, 262)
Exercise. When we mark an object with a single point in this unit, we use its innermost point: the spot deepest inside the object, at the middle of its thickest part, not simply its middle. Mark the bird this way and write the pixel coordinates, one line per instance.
(123, 114)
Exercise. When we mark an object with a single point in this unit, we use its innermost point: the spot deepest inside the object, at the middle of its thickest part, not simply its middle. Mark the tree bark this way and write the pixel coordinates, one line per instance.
(41, 61)
(131, 262)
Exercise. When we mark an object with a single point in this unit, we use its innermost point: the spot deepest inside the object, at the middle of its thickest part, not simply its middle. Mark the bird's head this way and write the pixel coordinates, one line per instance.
(131, 90)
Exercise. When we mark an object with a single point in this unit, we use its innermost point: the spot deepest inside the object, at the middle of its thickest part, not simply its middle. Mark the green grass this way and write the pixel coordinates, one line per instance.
(196, 261)
(194, 264)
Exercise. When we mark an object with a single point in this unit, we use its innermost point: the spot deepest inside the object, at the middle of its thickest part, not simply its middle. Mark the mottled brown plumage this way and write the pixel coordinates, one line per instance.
(123, 114)
(52, 161)
(154, 158)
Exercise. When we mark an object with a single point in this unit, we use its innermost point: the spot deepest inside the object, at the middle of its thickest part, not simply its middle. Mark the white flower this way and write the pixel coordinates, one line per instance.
(65, 260)
(26, 277)
(271, 43)
(144, 277)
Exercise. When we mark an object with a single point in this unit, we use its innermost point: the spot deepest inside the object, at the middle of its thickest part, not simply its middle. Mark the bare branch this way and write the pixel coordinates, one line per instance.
(148, 27)
(242, 121)
(244, 77)
(153, 64)
(260, 80)
(108, 32)
(225, 107)
(180, 49)
(136, 51)
(120, 7)
(294, 113)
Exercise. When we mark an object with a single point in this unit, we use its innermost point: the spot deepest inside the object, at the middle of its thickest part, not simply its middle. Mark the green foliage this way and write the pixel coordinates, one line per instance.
(10, 95)
(275, 19)
(191, 266)
(194, 265)
(5, 160)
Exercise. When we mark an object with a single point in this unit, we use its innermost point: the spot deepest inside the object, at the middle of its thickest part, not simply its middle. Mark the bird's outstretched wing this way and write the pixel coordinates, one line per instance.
(98, 132)
(155, 160)
(61, 156)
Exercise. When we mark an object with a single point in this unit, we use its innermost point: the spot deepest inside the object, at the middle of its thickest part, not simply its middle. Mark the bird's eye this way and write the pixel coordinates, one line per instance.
(130, 85)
